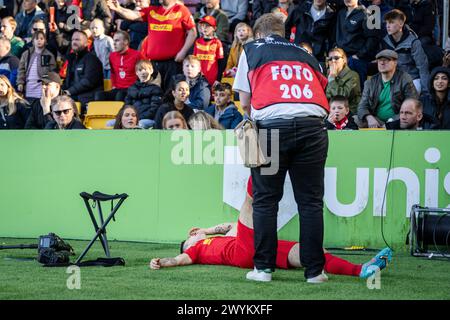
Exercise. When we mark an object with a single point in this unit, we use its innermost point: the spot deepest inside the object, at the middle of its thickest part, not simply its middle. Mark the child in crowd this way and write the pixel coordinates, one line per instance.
(35, 62)
(242, 34)
(146, 93)
(174, 120)
(200, 94)
(208, 49)
(174, 100)
(340, 117)
(103, 45)
(224, 111)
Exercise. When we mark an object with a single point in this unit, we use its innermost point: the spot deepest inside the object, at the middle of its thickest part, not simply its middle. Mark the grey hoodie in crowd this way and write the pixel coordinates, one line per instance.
(411, 56)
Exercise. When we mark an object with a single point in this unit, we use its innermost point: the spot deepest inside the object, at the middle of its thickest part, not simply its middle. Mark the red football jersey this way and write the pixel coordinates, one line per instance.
(216, 250)
(166, 30)
(209, 52)
(123, 73)
(235, 251)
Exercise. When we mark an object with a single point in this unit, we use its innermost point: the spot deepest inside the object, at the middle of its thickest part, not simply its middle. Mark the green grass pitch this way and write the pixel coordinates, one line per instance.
(405, 278)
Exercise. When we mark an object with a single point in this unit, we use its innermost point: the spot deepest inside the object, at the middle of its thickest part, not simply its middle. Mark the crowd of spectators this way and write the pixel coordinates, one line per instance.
(171, 62)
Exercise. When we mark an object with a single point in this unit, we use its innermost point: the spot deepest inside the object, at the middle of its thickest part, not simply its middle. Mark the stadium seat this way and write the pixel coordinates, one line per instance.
(238, 105)
(78, 106)
(229, 80)
(100, 112)
(107, 85)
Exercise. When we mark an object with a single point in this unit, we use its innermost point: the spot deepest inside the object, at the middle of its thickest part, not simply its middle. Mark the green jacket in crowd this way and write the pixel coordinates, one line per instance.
(345, 84)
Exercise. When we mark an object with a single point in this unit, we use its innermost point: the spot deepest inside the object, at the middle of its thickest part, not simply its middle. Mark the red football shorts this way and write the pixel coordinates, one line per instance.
(245, 249)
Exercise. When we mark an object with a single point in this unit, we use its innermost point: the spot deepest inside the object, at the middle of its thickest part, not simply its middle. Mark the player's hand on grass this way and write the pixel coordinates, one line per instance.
(155, 264)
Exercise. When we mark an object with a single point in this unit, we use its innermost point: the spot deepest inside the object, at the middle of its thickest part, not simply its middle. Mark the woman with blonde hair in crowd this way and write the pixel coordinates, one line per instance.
(203, 121)
(242, 34)
(174, 120)
(342, 81)
(14, 109)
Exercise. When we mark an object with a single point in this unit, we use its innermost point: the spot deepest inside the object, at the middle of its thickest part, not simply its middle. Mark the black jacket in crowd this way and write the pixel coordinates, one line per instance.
(421, 18)
(97, 9)
(354, 36)
(62, 36)
(187, 112)
(16, 120)
(37, 119)
(75, 124)
(320, 34)
(439, 113)
(84, 76)
(137, 30)
(260, 7)
(146, 97)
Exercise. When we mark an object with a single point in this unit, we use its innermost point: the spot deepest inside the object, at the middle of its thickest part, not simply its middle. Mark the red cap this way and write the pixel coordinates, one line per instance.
(209, 20)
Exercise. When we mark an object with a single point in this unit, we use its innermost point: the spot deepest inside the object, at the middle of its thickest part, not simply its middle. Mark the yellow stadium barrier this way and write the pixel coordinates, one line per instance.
(100, 112)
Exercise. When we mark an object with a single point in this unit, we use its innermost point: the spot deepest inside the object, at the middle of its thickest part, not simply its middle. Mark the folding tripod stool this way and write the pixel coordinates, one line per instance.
(98, 197)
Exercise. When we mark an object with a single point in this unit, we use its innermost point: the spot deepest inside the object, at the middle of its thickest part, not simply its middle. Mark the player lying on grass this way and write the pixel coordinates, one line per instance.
(236, 248)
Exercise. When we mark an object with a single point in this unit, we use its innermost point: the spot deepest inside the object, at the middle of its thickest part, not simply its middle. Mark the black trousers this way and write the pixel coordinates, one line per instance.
(303, 147)
(112, 95)
(167, 69)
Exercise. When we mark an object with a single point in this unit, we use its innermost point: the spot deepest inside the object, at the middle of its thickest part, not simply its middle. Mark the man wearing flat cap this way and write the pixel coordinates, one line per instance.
(40, 113)
(385, 92)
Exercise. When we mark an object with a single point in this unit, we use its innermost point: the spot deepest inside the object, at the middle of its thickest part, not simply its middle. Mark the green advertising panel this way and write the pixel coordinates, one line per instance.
(175, 182)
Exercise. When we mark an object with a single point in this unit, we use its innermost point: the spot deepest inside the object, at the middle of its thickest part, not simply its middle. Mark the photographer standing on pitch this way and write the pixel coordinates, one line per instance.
(283, 88)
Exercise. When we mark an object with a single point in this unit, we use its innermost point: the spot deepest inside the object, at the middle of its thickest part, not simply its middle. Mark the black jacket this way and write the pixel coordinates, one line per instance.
(16, 120)
(430, 105)
(145, 97)
(75, 124)
(187, 112)
(402, 87)
(84, 75)
(260, 7)
(421, 19)
(137, 30)
(354, 36)
(320, 34)
(97, 9)
(37, 119)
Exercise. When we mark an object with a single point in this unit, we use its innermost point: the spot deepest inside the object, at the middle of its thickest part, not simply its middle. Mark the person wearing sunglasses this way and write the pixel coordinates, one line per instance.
(342, 80)
(65, 115)
(26, 17)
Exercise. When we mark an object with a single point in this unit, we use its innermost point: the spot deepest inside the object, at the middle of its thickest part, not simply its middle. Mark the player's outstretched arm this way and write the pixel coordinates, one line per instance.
(180, 260)
(128, 14)
(222, 228)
